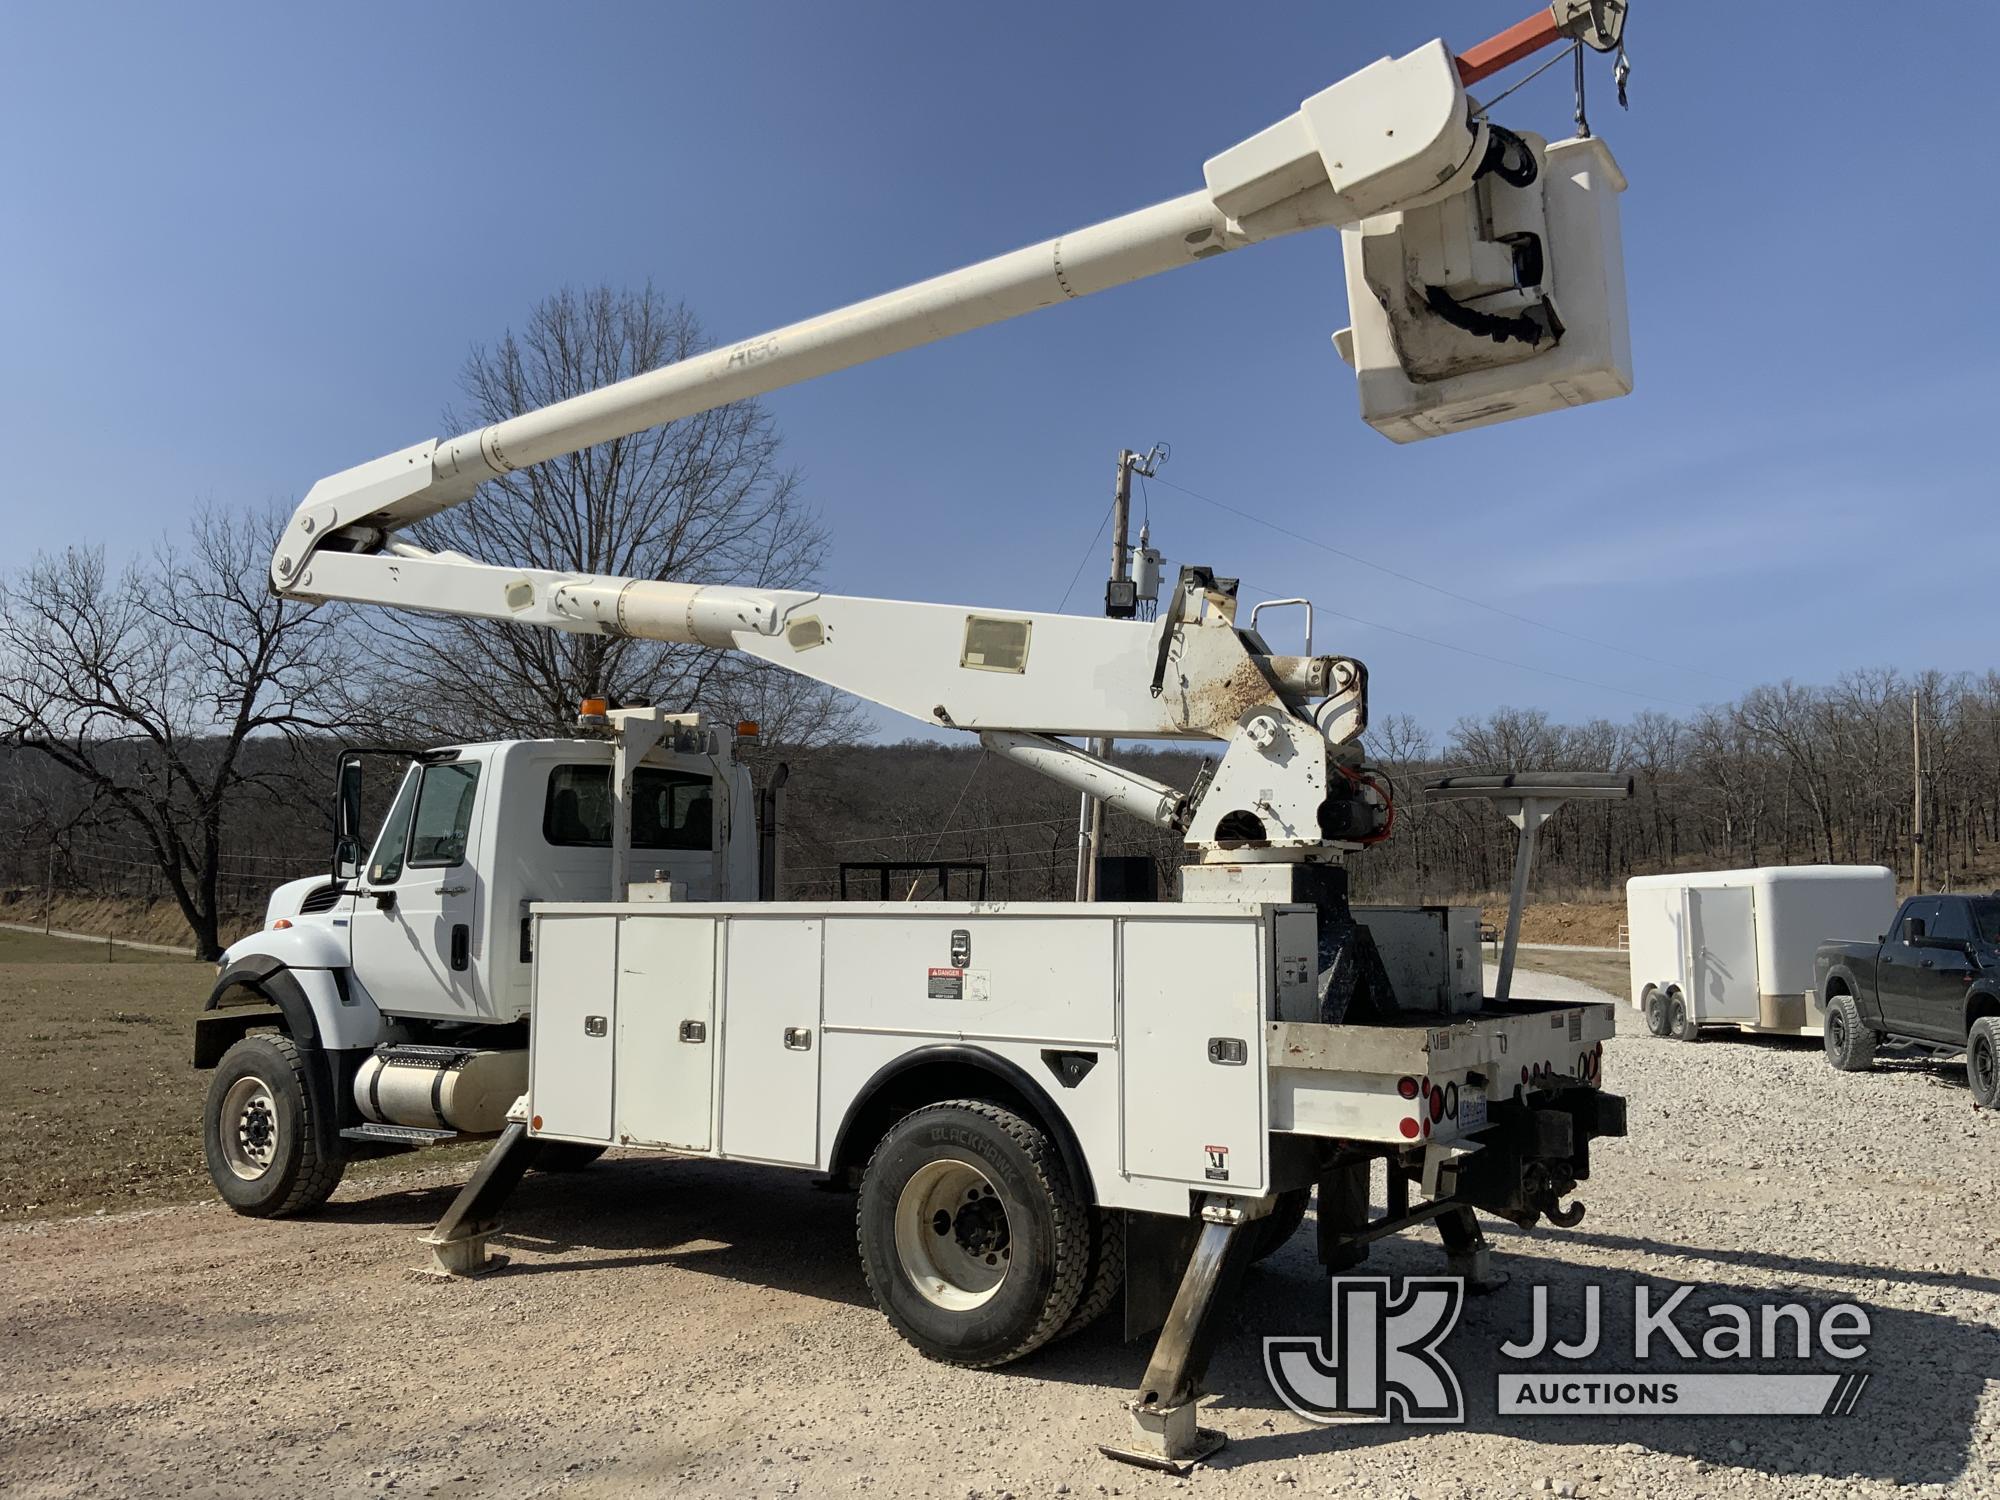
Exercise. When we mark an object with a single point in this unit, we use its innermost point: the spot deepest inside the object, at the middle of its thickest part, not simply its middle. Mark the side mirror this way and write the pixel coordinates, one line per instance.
(1913, 929)
(347, 821)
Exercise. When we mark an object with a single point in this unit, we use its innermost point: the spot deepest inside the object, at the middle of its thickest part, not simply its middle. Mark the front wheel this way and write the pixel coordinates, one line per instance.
(1982, 1062)
(269, 1155)
(972, 1237)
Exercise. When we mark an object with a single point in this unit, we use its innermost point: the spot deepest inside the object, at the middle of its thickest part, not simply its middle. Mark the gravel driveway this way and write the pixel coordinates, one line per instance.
(680, 1327)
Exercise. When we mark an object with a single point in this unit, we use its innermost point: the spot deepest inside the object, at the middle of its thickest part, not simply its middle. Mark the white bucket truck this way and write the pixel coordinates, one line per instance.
(570, 944)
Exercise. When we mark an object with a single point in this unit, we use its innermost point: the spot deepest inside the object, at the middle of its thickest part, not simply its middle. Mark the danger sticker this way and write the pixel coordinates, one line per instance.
(960, 984)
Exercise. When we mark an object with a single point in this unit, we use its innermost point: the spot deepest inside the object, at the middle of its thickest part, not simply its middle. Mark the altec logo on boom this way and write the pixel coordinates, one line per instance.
(1383, 1359)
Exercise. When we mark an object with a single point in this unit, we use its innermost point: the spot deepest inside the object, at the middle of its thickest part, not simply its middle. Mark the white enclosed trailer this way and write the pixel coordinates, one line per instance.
(1735, 947)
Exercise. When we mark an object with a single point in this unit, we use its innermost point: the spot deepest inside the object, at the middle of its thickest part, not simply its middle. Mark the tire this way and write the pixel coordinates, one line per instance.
(1681, 1024)
(1656, 1013)
(1106, 1276)
(1982, 1062)
(1000, 1276)
(1275, 1230)
(566, 1156)
(1850, 1045)
(269, 1155)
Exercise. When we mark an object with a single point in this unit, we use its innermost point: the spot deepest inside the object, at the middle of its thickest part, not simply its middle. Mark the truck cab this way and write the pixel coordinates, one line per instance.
(423, 946)
(438, 922)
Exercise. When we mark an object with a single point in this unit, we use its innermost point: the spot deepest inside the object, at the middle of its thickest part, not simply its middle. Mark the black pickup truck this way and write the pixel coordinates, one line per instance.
(1934, 979)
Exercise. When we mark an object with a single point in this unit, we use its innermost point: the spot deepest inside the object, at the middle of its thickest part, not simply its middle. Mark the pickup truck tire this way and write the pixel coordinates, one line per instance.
(974, 1241)
(1982, 1062)
(566, 1156)
(1850, 1045)
(268, 1155)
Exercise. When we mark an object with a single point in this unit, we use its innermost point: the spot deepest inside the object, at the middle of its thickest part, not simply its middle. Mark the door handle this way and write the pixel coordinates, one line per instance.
(1926, 964)
(453, 890)
(799, 1038)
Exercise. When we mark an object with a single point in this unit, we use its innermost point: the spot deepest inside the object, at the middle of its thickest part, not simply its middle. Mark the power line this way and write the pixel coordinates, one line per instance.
(1087, 555)
(1503, 661)
(1422, 583)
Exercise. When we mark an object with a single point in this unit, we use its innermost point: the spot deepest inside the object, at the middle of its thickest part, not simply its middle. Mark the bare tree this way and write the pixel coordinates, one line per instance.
(156, 690)
(704, 499)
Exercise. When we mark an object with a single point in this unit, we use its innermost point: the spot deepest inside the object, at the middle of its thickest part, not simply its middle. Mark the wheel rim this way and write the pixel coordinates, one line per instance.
(1677, 1016)
(952, 1236)
(251, 1133)
(1985, 1067)
(1836, 1030)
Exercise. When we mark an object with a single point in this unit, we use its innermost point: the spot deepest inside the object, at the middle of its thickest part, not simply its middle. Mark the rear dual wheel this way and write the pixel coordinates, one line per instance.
(974, 1241)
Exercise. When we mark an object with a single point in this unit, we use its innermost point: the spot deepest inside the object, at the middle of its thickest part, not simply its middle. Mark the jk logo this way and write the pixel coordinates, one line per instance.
(1380, 1360)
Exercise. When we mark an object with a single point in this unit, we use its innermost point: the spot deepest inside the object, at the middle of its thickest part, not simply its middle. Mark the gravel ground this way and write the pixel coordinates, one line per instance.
(678, 1327)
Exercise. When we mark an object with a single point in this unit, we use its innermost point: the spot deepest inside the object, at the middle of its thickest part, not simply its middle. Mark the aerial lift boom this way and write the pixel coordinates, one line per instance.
(1476, 282)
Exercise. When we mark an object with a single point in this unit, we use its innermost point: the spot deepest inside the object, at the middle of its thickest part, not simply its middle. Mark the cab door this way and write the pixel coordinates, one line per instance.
(1899, 972)
(414, 916)
(1943, 974)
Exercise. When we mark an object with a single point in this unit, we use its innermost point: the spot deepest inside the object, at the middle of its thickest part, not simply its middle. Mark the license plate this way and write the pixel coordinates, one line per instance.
(1471, 1109)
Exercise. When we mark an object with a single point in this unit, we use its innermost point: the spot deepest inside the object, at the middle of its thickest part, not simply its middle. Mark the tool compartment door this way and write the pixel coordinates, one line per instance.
(771, 1041)
(1192, 1046)
(1722, 941)
(666, 1030)
(571, 1038)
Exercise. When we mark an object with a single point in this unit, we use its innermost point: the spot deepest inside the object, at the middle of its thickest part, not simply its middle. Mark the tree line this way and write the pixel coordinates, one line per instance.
(168, 728)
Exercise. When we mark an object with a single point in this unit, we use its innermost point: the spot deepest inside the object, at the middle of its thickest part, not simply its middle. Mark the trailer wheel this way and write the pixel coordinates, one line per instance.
(1681, 1024)
(1850, 1046)
(566, 1156)
(1656, 1013)
(1982, 1062)
(268, 1156)
(1275, 1230)
(972, 1238)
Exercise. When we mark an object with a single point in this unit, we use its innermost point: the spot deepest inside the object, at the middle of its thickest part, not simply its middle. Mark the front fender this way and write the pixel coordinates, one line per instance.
(1983, 1001)
(320, 1008)
(309, 943)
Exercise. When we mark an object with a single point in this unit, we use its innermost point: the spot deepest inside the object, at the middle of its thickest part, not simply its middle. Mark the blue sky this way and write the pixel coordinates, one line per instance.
(246, 246)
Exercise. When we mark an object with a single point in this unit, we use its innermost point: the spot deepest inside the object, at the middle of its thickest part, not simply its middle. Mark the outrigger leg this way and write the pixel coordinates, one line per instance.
(458, 1240)
(1164, 1432)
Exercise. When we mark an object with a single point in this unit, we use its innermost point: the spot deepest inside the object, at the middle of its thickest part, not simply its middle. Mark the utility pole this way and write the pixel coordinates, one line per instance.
(1120, 603)
(1916, 798)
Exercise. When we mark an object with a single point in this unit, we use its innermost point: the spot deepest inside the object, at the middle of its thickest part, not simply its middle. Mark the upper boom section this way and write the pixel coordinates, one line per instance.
(1387, 142)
